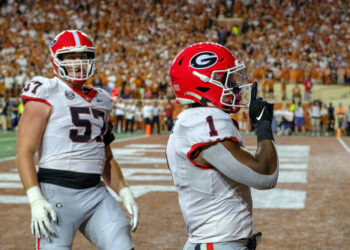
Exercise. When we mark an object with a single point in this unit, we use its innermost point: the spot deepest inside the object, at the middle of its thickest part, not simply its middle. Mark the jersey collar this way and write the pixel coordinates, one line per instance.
(88, 93)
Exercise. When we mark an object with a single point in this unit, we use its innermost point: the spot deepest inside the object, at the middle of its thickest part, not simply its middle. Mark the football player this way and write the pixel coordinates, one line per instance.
(211, 168)
(65, 122)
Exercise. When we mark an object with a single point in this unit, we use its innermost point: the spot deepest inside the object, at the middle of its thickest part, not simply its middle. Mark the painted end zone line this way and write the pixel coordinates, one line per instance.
(344, 144)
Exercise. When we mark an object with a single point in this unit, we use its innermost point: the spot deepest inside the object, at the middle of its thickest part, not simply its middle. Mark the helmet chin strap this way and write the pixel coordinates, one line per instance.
(202, 100)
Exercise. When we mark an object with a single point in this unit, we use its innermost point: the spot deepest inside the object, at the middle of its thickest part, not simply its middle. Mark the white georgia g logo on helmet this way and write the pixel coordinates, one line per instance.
(203, 60)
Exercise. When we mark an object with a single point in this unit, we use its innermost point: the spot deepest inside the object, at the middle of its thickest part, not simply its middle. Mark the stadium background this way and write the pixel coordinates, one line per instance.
(283, 44)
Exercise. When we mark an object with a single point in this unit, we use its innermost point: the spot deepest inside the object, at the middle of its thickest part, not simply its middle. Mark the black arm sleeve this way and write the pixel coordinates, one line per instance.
(108, 138)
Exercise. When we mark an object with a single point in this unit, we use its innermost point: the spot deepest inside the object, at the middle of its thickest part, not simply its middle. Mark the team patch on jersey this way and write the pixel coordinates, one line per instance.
(203, 60)
(70, 95)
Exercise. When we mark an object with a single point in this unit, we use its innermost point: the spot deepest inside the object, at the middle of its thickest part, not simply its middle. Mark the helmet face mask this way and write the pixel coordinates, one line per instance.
(80, 68)
(73, 56)
(208, 74)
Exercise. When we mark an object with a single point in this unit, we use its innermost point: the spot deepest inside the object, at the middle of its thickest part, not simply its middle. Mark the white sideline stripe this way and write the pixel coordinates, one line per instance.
(293, 165)
(292, 177)
(344, 145)
(8, 139)
(13, 199)
(8, 158)
(11, 185)
(278, 198)
(129, 139)
(125, 139)
(9, 177)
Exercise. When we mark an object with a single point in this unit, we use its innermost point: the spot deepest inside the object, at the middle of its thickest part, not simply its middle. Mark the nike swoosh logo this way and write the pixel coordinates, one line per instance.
(259, 117)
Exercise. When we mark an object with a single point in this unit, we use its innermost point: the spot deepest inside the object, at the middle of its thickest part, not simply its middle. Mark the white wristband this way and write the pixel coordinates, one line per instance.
(34, 194)
(125, 193)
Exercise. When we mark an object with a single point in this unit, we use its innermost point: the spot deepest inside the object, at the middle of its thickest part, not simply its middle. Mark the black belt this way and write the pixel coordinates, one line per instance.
(253, 241)
(68, 179)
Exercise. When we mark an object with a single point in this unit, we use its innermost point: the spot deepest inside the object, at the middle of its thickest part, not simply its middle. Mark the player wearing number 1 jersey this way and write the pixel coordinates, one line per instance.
(211, 168)
(65, 122)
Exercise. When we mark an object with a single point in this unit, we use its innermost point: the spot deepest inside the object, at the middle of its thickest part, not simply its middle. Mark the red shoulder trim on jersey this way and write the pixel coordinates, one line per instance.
(89, 97)
(29, 98)
(202, 144)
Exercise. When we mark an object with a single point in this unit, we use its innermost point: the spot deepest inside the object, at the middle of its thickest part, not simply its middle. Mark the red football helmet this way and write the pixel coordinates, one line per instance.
(207, 73)
(74, 70)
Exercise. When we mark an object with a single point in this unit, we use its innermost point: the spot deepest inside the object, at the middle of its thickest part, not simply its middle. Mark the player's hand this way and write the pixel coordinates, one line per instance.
(259, 109)
(42, 214)
(131, 206)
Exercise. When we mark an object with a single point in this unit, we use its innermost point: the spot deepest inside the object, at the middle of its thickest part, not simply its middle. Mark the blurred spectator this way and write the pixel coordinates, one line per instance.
(156, 111)
(5, 114)
(243, 121)
(315, 114)
(307, 92)
(119, 112)
(340, 114)
(347, 114)
(285, 118)
(324, 119)
(300, 119)
(147, 113)
(222, 33)
(168, 114)
(130, 110)
(331, 119)
(138, 116)
(306, 39)
(296, 93)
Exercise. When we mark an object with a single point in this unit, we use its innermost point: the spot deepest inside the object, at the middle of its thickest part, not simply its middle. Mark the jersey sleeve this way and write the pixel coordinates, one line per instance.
(205, 128)
(36, 89)
(107, 99)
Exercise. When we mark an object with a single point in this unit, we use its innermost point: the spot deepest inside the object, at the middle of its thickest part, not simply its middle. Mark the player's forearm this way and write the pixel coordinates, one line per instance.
(245, 168)
(266, 157)
(113, 176)
(26, 169)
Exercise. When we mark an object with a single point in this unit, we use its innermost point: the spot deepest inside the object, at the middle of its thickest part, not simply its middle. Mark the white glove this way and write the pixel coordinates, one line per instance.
(41, 209)
(130, 205)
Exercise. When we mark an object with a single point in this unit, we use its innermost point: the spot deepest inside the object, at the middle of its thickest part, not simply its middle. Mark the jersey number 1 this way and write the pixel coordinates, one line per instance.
(212, 129)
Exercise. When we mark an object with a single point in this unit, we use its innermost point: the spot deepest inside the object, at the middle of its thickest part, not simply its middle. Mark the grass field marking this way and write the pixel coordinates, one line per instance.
(8, 139)
(344, 145)
(128, 139)
(8, 158)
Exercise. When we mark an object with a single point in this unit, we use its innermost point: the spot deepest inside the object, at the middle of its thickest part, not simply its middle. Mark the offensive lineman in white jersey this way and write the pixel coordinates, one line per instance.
(211, 168)
(66, 123)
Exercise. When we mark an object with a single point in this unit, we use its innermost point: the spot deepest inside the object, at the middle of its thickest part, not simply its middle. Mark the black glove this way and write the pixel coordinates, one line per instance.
(260, 114)
(109, 137)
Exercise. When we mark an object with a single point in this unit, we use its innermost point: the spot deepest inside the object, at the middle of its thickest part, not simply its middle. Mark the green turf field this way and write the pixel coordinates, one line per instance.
(8, 142)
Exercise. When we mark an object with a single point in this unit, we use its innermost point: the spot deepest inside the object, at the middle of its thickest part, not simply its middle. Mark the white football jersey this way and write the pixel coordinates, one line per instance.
(73, 139)
(215, 208)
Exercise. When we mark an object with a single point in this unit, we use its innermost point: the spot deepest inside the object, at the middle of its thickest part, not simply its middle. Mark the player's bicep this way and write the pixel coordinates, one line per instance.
(239, 165)
(32, 125)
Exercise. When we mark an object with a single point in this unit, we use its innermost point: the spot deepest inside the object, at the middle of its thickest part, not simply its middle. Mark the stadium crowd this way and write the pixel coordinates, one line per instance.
(301, 42)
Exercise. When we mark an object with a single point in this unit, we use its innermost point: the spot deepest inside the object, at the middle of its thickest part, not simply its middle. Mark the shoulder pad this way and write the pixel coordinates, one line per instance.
(37, 89)
(106, 97)
(203, 125)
